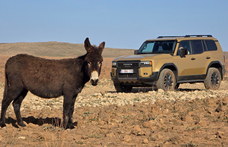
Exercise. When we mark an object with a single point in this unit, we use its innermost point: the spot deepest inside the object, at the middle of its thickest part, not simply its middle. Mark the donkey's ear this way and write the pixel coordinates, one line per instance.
(101, 47)
(87, 45)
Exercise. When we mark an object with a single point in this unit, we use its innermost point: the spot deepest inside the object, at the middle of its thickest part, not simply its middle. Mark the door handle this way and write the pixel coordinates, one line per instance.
(208, 57)
(193, 58)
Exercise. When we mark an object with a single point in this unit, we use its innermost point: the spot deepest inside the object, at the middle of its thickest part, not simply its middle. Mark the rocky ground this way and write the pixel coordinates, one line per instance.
(189, 117)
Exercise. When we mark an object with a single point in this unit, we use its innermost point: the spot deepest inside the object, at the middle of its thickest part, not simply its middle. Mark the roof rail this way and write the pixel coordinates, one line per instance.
(198, 36)
(169, 36)
(185, 36)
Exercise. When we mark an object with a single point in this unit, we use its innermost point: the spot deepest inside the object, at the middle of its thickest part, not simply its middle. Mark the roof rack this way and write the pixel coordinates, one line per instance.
(185, 36)
(169, 36)
(198, 35)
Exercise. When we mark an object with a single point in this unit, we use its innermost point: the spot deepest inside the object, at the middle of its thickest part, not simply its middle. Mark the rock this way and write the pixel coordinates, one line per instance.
(155, 110)
(32, 125)
(137, 131)
(152, 138)
(127, 138)
(202, 122)
(145, 141)
(101, 122)
(219, 108)
(84, 137)
(225, 101)
(22, 137)
(219, 134)
(103, 115)
(141, 133)
(147, 124)
(174, 140)
(97, 94)
(160, 91)
(137, 128)
(159, 137)
(186, 117)
(111, 135)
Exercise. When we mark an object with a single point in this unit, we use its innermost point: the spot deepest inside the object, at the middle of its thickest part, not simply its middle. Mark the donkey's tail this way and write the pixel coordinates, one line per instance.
(6, 85)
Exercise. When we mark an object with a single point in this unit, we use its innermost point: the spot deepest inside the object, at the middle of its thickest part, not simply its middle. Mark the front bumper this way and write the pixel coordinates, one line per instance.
(134, 79)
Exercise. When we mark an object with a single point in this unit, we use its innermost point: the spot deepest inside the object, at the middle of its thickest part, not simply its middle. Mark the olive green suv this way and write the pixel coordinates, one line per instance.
(168, 61)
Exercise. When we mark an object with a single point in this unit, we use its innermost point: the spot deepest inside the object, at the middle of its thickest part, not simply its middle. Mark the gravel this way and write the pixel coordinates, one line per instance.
(104, 94)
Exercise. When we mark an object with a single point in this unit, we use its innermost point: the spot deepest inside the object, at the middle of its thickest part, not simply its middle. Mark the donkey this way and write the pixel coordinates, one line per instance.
(50, 79)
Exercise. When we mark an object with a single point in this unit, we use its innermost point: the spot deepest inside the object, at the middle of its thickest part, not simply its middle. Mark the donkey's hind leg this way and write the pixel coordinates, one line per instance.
(9, 96)
(5, 104)
(17, 105)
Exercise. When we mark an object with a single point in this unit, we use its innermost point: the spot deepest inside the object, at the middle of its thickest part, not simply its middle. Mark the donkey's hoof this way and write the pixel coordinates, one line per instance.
(21, 124)
(2, 124)
(70, 126)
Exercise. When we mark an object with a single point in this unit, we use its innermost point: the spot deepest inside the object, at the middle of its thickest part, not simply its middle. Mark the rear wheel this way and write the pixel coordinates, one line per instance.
(166, 80)
(213, 79)
(122, 88)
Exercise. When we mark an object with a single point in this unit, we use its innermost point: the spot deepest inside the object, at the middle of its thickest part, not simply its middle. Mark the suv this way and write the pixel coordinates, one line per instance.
(168, 61)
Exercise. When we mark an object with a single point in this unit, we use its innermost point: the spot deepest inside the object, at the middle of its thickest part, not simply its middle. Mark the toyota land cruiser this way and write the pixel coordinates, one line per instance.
(168, 61)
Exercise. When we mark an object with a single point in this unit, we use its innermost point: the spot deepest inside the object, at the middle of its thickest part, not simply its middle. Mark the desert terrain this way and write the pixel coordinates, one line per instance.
(189, 117)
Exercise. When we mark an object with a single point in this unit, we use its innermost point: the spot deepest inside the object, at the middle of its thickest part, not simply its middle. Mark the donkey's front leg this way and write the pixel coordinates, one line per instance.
(70, 121)
(68, 109)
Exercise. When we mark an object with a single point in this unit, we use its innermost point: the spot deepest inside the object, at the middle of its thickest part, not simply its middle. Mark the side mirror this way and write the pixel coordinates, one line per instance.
(135, 52)
(183, 52)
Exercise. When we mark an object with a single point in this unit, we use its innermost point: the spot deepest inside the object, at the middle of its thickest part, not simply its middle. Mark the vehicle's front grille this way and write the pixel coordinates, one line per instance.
(128, 64)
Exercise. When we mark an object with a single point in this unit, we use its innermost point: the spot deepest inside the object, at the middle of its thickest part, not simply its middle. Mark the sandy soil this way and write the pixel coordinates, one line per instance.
(198, 121)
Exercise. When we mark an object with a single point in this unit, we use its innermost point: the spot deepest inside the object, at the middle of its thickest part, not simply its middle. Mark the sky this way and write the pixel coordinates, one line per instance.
(120, 23)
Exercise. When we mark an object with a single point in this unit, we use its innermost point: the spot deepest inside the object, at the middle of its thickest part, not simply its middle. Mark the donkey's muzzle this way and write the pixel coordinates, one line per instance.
(94, 82)
(94, 78)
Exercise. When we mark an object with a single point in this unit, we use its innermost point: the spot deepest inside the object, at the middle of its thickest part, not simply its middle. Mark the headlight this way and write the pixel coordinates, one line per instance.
(114, 63)
(146, 63)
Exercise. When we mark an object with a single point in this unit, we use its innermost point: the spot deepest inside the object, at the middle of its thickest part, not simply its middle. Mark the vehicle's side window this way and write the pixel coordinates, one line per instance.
(211, 46)
(197, 47)
(184, 44)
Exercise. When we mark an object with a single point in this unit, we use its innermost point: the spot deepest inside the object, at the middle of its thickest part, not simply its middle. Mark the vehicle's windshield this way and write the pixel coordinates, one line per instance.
(157, 47)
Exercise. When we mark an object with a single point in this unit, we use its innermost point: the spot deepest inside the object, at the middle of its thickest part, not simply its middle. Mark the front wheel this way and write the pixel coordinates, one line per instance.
(166, 80)
(122, 88)
(213, 79)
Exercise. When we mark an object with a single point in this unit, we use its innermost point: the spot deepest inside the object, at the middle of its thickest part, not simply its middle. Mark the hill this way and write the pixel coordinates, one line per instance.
(55, 49)
(58, 49)
(226, 55)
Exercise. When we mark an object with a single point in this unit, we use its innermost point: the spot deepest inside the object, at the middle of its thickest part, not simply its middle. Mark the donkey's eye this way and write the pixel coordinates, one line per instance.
(100, 63)
(89, 63)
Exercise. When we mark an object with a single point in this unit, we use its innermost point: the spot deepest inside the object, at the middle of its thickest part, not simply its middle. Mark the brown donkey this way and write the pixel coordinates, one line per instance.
(50, 78)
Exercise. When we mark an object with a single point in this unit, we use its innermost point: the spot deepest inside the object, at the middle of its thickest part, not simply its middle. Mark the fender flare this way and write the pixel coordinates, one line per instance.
(220, 68)
(170, 66)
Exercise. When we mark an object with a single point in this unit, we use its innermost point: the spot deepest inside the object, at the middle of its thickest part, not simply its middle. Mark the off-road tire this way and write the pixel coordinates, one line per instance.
(166, 80)
(122, 88)
(213, 79)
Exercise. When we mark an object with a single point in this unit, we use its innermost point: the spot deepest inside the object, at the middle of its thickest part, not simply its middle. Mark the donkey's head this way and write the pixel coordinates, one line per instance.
(93, 60)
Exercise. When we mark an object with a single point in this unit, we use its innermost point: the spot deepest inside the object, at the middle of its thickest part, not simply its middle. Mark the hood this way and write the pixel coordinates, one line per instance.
(142, 57)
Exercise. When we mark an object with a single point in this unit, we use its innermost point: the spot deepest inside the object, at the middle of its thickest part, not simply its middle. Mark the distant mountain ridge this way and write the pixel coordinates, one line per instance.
(58, 49)
(55, 49)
